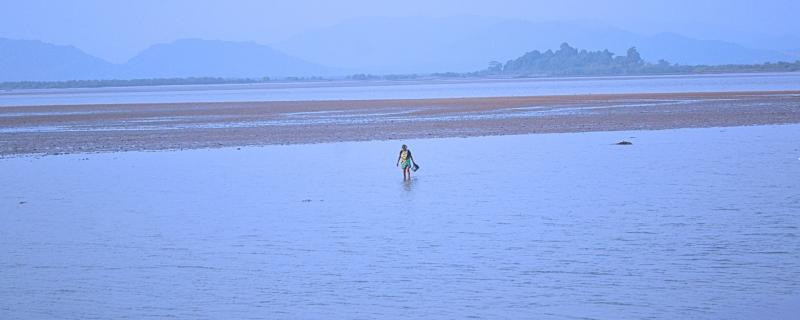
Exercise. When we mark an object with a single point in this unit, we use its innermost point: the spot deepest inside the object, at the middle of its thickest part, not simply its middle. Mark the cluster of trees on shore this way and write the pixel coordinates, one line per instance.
(566, 61)
(569, 61)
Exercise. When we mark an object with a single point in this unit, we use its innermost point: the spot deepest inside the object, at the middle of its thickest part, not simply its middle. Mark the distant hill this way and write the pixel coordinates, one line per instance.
(414, 45)
(393, 45)
(24, 60)
(28, 60)
(207, 58)
(684, 50)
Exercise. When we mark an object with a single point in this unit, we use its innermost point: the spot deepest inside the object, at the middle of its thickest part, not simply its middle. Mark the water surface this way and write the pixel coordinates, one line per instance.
(354, 90)
(683, 224)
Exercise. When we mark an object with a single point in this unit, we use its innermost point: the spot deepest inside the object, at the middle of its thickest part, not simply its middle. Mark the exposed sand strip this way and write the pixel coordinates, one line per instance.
(121, 127)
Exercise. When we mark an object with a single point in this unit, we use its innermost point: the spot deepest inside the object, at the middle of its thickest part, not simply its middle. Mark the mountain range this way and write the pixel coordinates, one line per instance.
(403, 45)
(372, 45)
(28, 60)
(25, 60)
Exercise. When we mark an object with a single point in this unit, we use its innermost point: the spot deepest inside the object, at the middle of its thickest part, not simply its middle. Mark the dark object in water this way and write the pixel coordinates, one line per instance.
(624, 143)
(415, 167)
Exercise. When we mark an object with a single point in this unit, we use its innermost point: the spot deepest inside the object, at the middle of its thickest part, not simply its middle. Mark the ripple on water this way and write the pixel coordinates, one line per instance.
(535, 226)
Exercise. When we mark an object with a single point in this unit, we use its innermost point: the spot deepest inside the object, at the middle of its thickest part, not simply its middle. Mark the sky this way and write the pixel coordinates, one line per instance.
(116, 30)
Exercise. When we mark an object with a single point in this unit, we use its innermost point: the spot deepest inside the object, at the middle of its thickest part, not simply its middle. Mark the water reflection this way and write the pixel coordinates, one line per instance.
(408, 185)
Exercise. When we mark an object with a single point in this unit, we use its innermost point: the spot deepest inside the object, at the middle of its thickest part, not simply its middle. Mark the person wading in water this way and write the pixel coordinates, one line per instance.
(405, 162)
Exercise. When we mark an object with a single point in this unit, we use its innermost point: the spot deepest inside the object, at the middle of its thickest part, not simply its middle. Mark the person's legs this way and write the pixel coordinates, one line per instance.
(406, 170)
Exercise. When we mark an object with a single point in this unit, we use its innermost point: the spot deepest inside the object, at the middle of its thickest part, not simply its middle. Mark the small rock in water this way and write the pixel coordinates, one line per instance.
(307, 200)
(624, 143)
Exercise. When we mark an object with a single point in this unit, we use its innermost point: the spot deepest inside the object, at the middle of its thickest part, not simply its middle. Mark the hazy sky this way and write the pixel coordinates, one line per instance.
(116, 30)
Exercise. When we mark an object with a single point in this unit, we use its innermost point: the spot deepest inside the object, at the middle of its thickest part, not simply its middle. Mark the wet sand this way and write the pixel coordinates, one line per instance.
(31, 130)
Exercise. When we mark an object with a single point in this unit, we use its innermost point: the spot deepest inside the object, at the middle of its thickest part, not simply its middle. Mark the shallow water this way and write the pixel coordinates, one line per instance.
(351, 90)
(683, 224)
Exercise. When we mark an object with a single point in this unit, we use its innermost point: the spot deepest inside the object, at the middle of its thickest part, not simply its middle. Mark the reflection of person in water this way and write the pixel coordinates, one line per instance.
(405, 160)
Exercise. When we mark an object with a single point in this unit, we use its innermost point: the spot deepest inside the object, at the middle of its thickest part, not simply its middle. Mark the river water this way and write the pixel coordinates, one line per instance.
(683, 224)
(354, 90)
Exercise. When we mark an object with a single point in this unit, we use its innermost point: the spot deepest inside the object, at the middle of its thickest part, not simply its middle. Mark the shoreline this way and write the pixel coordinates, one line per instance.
(5, 87)
(44, 130)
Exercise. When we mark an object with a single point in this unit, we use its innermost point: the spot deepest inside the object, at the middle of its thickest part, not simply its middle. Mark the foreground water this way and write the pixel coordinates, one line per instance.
(683, 224)
(355, 90)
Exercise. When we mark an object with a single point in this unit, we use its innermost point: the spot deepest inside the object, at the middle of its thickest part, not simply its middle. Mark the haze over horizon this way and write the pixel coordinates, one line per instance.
(118, 30)
(92, 39)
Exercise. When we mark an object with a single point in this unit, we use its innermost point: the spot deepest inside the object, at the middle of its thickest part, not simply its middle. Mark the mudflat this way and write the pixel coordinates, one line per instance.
(30, 130)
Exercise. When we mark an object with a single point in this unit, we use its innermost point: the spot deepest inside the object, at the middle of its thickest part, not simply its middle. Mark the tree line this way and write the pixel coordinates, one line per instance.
(144, 82)
(569, 61)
